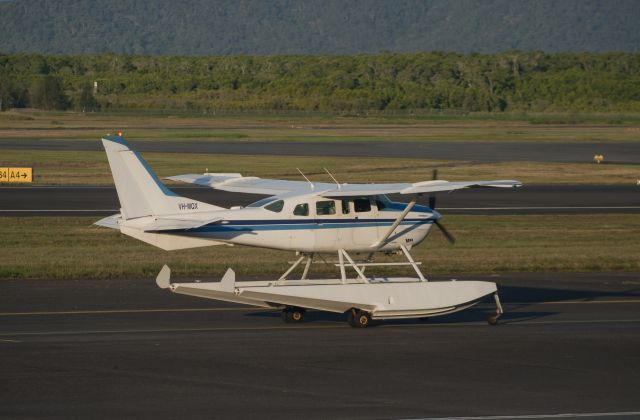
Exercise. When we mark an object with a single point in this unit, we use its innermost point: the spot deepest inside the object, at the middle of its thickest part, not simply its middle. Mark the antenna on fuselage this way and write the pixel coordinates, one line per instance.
(332, 177)
(303, 175)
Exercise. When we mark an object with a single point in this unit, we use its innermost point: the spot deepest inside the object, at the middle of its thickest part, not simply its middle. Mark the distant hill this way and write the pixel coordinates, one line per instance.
(261, 27)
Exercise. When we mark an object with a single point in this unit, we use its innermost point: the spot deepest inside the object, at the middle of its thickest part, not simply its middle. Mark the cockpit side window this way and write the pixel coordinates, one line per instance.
(362, 205)
(276, 206)
(301, 210)
(325, 208)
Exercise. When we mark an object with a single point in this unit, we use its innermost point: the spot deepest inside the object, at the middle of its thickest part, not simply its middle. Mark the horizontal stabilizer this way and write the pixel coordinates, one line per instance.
(110, 222)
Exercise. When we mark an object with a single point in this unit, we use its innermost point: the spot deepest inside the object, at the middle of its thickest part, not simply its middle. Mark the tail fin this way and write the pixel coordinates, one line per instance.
(139, 190)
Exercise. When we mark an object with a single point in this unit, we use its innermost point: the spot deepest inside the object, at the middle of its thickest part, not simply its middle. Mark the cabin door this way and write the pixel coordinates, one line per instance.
(364, 216)
(327, 225)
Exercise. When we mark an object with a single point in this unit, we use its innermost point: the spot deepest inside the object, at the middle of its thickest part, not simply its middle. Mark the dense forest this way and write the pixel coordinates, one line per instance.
(259, 27)
(512, 81)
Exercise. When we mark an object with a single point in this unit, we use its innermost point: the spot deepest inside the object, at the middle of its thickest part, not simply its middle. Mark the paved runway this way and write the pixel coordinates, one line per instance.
(480, 151)
(569, 343)
(530, 199)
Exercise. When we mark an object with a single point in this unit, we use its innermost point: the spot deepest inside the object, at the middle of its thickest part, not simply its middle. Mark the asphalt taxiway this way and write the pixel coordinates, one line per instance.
(530, 199)
(480, 151)
(569, 343)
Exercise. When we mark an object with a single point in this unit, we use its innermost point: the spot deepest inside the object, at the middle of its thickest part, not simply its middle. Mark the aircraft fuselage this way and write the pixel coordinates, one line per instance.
(316, 224)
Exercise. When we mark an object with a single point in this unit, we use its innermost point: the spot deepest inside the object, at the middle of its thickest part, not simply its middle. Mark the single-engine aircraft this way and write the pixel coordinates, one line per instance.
(310, 218)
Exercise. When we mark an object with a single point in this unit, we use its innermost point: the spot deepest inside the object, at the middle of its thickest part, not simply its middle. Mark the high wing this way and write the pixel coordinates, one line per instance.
(350, 190)
(254, 185)
(251, 184)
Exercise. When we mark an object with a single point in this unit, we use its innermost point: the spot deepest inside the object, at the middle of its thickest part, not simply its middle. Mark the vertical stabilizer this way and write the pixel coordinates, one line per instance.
(139, 190)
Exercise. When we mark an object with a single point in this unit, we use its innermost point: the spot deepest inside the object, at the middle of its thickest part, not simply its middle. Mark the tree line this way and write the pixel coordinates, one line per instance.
(511, 81)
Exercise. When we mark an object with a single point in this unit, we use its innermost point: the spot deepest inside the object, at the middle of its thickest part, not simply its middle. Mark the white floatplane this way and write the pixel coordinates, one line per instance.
(310, 218)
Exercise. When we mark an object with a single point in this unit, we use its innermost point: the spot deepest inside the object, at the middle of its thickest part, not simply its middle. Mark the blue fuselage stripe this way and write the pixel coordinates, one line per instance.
(310, 224)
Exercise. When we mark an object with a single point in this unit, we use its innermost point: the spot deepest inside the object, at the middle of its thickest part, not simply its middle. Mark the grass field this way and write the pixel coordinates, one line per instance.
(91, 168)
(82, 168)
(56, 248)
(318, 127)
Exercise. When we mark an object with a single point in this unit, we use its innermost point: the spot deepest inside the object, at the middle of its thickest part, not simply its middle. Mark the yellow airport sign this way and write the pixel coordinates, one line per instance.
(16, 174)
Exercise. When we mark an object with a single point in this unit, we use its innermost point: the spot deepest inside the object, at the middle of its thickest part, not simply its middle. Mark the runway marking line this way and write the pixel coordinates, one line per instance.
(59, 210)
(301, 327)
(545, 208)
(537, 416)
(576, 321)
(126, 311)
(576, 302)
(135, 311)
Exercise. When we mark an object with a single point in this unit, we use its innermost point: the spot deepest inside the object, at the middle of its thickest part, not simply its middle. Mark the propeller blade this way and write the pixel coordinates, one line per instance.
(445, 232)
(432, 201)
(432, 197)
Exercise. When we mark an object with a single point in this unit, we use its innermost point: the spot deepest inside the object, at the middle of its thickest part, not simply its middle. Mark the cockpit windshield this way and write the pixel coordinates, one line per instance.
(262, 202)
(382, 201)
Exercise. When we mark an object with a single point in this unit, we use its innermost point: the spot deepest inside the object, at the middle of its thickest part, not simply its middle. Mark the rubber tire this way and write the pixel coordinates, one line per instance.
(492, 319)
(358, 318)
(293, 315)
(296, 315)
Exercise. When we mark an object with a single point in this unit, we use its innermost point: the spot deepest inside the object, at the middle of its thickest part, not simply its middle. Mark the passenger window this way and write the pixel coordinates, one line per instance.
(301, 210)
(275, 207)
(345, 207)
(361, 205)
(324, 208)
(381, 204)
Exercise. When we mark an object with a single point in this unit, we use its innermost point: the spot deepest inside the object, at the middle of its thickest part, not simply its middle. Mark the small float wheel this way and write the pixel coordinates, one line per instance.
(493, 319)
(358, 318)
(292, 315)
(297, 314)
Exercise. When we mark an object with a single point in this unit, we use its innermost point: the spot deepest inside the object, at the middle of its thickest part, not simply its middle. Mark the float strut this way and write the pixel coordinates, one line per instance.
(413, 263)
(293, 267)
(306, 267)
(493, 319)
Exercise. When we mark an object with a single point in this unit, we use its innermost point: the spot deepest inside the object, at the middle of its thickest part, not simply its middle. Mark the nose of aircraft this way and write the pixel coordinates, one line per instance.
(436, 215)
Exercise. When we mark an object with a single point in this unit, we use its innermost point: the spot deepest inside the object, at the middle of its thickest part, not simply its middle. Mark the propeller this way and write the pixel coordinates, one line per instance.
(445, 232)
(432, 204)
(432, 197)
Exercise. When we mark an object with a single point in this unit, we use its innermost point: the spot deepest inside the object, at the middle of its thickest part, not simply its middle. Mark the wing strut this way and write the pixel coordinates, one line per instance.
(395, 224)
